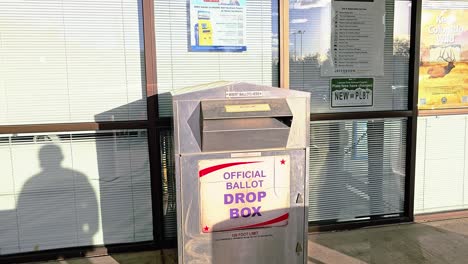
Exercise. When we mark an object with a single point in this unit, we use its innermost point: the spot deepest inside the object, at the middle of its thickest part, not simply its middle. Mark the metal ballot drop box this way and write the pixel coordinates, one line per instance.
(241, 173)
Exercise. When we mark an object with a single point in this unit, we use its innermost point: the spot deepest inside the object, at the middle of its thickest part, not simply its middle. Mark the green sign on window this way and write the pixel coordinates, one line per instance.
(352, 92)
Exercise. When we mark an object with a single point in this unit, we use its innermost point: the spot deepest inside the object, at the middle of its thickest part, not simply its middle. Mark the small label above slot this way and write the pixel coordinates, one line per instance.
(247, 108)
(230, 94)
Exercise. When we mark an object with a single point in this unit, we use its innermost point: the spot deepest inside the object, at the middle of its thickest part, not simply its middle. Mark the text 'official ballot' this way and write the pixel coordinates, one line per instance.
(244, 193)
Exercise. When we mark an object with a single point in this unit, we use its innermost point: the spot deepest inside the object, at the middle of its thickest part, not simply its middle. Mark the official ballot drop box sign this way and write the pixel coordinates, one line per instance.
(241, 173)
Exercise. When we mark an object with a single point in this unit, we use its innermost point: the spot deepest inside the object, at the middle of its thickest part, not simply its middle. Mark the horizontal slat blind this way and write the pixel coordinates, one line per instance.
(441, 171)
(169, 185)
(445, 4)
(441, 182)
(71, 61)
(357, 169)
(74, 189)
(390, 90)
(179, 68)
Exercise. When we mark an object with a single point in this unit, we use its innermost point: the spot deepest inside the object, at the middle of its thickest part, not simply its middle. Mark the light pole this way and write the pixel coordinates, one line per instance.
(295, 55)
(301, 32)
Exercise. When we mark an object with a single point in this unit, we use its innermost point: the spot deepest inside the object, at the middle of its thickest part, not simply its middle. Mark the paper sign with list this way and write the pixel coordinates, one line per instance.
(357, 38)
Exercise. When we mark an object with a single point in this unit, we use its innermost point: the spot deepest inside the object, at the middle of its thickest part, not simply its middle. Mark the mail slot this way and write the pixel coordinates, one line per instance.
(241, 154)
(263, 123)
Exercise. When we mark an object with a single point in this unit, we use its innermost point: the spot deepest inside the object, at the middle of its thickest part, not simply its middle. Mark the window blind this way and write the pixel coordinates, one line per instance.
(357, 169)
(69, 61)
(78, 189)
(169, 185)
(441, 177)
(179, 68)
(309, 28)
(441, 155)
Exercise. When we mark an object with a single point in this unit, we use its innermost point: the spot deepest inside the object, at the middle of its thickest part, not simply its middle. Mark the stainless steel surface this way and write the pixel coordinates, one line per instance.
(215, 109)
(279, 243)
(243, 124)
(243, 140)
(204, 131)
(243, 133)
(187, 112)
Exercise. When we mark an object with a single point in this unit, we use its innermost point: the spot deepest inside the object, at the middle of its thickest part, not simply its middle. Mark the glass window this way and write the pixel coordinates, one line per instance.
(68, 61)
(169, 184)
(441, 182)
(78, 189)
(179, 66)
(310, 40)
(443, 70)
(443, 81)
(357, 169)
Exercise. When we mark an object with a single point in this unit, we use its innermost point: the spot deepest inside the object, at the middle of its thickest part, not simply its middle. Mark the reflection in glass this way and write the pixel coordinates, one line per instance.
(309, 42)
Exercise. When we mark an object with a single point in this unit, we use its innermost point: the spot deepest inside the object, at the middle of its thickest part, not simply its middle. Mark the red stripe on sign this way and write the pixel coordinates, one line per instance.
(208, 170)
(269, 222)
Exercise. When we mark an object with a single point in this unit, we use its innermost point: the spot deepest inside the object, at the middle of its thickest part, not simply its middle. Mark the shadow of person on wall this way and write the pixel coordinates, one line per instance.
(57, 206)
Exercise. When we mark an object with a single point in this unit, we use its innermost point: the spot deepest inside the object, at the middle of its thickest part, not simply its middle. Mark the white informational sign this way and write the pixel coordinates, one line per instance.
(243, 193)
(351, 92)
(218, 25)
(244, 94)
(357, 39)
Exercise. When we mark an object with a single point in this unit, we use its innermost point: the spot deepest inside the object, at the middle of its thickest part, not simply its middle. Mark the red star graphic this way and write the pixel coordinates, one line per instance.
(206, 228)
(283, 162)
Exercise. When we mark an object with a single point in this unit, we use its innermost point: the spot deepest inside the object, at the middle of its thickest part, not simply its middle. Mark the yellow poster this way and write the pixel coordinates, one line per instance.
(443, 71)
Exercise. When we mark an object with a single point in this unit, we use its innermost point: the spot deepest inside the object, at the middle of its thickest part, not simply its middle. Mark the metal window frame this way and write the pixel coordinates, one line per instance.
(154, 124)
(412, 118)
(284, 43)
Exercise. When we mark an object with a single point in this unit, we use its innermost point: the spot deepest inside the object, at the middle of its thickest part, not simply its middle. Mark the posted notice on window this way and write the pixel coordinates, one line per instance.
(218, 25)
(443, 68)
(244, 193)
(352, 92)
(357, 39)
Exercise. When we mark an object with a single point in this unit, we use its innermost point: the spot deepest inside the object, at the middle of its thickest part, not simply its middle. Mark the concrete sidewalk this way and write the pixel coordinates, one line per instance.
(168, 256)
(432, 242)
